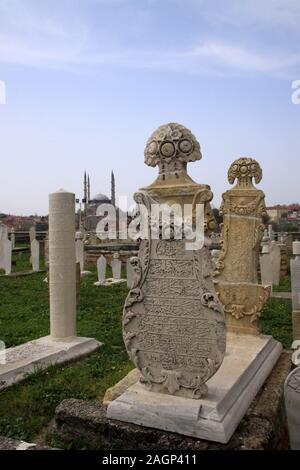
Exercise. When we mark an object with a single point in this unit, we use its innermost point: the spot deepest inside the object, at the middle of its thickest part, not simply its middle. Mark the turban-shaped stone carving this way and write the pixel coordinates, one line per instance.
(172, 141)
(244, 169)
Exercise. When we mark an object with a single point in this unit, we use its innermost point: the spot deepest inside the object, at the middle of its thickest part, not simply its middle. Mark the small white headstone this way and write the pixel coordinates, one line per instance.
(3, 238)
(295, 276)
(13, 238)
(292, 405)
(130, 274)
(35, 255)
(270, 231)
(276, 261)
(266, 266)
(101, 268)
(32, 234)
(116, 267)
(79, 247)
(7, 256)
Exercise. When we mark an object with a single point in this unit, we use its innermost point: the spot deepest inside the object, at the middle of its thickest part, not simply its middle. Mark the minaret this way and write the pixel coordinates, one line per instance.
(85, 191)
(88, 190)
(113, 189)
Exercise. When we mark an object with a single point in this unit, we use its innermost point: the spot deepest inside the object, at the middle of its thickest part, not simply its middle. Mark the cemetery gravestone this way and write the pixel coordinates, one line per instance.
(116, 266)
(13, 238)
(130, 273)
(173, 322)
(236, 273)
(276, 261)
(292, 406)
(266, 267)
(295, 283)
(62, 345)
(101, 269)
(35, 255)
(3, 238)
(32, 234)
(79, 247)
(7, 255)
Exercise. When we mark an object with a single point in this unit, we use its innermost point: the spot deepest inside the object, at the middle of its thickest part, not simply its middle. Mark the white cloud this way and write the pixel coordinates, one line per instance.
(242, 59)
(30, 36)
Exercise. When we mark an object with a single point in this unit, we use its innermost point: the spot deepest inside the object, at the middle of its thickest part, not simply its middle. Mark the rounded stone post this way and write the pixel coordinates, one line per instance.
(62, 265)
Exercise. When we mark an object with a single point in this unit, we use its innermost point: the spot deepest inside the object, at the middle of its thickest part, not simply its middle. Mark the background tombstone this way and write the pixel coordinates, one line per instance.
(35, 255)
(7, 256)
(13, 238)
(236, 272)
(79, 249)
(116, 266)
(3, 238)
(32, 234)
(101, 270)
(295, 282)
(266, 266)
(80, 254)
(292, 406)
(129, 273)
(276, 262)
(78, 277)
(270, 232)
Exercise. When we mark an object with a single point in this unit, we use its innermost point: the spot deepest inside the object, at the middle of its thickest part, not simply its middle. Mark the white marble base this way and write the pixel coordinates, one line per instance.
(85, 273)
(18, 362)
(248, 362)
(110, 282)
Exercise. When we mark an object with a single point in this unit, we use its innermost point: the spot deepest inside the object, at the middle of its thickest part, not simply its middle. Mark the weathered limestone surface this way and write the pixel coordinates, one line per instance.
(262, 427)
(129, 274)
(114, 392)
(295, 282)
(116, 266)
(248, 361)
(242, 230)
(173, 322)
(62, 269)
(18, 362)
(35, 255)
(292, 405)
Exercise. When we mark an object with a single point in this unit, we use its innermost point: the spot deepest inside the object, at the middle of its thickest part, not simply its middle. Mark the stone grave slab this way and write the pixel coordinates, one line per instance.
(248, 362)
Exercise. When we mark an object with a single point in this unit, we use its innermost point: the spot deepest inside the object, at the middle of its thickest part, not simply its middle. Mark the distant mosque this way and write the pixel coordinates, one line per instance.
(90, 205)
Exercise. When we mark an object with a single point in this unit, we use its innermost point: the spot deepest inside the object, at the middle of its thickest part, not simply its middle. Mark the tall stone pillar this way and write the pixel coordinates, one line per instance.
(242, 231)
(62, 265)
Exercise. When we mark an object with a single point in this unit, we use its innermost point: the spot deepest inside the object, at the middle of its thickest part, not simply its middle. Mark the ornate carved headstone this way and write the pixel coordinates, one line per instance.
(292, 405)
(242, 230)
(173, 322)
(295, 281)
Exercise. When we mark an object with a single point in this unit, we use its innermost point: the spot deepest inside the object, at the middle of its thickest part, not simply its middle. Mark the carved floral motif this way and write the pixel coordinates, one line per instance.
(173, 321)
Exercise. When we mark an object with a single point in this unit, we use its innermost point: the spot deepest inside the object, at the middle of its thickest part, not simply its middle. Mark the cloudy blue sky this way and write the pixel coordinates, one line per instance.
(87, 81)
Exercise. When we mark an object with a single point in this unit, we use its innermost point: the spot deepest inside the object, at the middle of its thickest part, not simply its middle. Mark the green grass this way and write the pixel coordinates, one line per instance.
(284, 285)
(276, 320)
(27, 408)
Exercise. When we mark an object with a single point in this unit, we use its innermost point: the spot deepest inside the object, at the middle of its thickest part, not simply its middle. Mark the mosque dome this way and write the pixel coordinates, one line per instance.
(100, 198)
